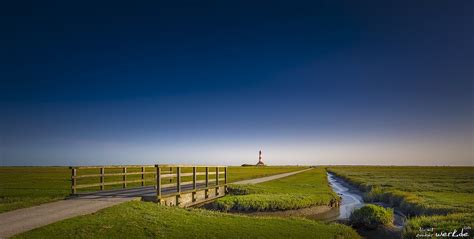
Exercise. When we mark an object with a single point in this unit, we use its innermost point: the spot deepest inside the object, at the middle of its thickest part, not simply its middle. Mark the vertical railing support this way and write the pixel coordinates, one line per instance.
(158, 182)
(225, 179)
(207, 177)
(225, 175)
(217, 181)
(73, 180)
(193, 194)
(102, 176)
(206, 191)
(178, 179)
(217, 176)
(124, 177)
(178, 185)
(143, 176)
(194, 178)
(170, 172)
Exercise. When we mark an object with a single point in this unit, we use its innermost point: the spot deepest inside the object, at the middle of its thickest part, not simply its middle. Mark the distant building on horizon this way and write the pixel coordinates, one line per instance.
(260, 159)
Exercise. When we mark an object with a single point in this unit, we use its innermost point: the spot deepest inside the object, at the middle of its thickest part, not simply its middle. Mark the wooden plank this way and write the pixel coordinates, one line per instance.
(214, 173)
(168, 175)
(105, 184)
(165, 174)
(189, 191)
(111, 166)
(173, 185)
(112, 174)
(186, 174)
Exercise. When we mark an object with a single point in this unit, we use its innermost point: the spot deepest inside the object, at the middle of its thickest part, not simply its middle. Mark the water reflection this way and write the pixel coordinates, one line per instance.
(351, 198)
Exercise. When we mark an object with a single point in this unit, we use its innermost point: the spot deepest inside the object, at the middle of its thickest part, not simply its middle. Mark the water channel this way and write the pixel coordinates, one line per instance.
(351, 200)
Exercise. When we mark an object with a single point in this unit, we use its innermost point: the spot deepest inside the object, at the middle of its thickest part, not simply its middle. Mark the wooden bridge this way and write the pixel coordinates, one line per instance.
(172, 185)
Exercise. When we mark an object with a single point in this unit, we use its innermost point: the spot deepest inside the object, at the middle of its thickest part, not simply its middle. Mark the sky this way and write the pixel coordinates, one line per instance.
(212, 82)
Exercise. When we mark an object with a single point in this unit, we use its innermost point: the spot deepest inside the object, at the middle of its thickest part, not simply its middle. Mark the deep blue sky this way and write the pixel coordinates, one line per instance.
(333, 82)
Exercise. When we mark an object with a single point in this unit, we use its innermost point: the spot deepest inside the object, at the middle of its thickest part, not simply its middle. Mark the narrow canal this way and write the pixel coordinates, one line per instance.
(351, 200)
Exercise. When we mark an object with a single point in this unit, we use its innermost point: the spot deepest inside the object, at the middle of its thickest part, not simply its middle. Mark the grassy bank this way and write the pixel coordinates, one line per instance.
(443, 196)
(302, 190)
(28, 186)
(148, 220)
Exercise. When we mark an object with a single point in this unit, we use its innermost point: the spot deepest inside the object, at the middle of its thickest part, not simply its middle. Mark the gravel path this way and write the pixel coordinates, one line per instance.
(25, 219)
(22, 220)
(269, 178)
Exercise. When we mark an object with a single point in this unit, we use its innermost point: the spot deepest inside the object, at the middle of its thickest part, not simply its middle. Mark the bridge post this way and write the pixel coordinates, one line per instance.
(225, 179)
(124, 177)
(207, 177)
(73, 180)
(102, 176)
(178, 179)
(158, 182)
(171, 171)
(178, 185)
(217, 181)
(206, 191)
(143, 176)
(194, 177)
(193, 194)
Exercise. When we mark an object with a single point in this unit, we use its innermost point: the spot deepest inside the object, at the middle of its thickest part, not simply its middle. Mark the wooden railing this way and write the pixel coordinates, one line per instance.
(180, 183)
(96, 176)
(169, 179)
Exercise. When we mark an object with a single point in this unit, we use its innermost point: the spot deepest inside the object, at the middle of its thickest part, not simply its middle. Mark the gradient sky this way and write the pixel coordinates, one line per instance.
(212, 82)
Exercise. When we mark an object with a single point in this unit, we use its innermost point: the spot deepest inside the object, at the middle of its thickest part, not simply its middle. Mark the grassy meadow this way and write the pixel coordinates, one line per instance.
(432, 197)
(302, 190)
(437, 197)
(149, 220)
(22, 187)
(249, 172)
(28, 186)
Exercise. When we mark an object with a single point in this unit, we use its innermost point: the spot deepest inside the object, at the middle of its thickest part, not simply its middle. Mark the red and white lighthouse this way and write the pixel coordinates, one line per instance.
(260, 159)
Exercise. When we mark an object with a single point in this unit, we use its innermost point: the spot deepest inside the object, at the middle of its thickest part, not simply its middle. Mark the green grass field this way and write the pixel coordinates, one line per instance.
(443, 196)
(28, 186)
(438, 197)
(149, 220)
(302, 190)
(242, 173)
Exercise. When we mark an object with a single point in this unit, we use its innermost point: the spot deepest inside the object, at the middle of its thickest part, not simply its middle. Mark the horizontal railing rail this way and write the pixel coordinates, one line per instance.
(102, 174)
(158, 175)
(175, 172)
